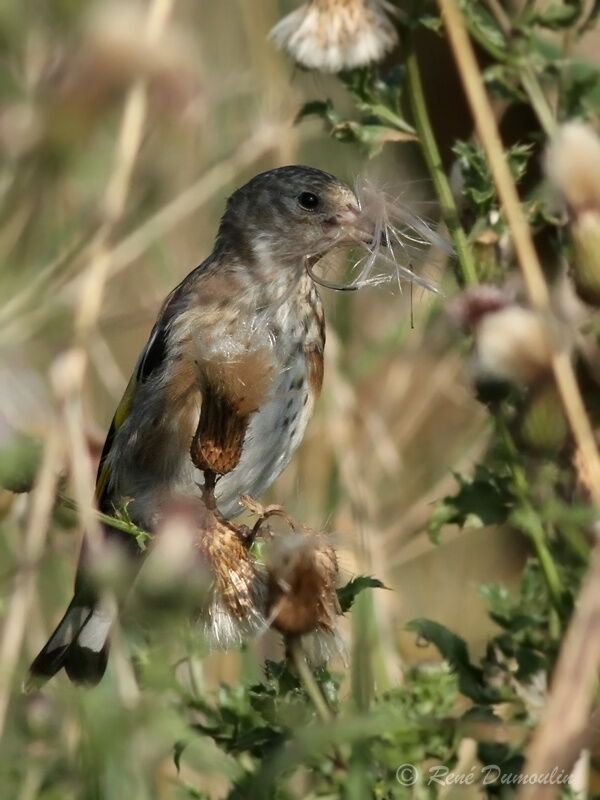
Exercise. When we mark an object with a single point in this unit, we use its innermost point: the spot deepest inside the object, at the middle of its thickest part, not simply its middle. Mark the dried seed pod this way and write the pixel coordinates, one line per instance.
(237, 606)
(204, 562)
(573, 167)
(543, 427)
(334, 35)
(302, 601)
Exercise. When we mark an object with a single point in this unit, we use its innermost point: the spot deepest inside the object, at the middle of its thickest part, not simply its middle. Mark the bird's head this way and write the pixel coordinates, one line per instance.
(287, 214)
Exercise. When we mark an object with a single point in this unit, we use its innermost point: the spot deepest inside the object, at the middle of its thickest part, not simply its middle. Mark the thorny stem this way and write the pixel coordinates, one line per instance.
(433, 159)
(538, 99)
(106, 519)
(529, 80)
(529, 522)
(532, 526)
(308, 680)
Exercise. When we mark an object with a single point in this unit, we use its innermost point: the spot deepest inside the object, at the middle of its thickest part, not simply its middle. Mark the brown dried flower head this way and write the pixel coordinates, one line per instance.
(334, 35)
(212, 556)
(238, 600)
(302, 601)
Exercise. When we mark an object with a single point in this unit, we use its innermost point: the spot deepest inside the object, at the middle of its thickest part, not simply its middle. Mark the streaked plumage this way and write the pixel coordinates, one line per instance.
(227, 381)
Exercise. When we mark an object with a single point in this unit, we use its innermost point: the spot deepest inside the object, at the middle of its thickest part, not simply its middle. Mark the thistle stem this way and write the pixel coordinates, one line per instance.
(307, 678)
(431, 153)
(535, 531)
(106, 519)
(528, 520)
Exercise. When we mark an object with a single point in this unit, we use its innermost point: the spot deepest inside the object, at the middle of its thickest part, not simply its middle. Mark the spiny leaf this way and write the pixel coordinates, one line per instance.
(347, 594)
(484, 499)
(454, 649)
(557, 15)
(319, 108)
(178, 749)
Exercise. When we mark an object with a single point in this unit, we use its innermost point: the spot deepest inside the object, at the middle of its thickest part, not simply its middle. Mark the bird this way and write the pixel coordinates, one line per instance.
(225, 386)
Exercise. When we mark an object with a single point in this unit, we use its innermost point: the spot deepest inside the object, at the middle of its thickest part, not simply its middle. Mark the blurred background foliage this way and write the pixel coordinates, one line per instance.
(397, 429)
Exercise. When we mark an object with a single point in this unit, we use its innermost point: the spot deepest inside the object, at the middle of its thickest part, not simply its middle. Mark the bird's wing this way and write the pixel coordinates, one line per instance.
(150, 359)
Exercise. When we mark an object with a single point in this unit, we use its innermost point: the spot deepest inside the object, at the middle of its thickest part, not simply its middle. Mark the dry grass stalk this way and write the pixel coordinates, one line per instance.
(135, 244)
(117, 189)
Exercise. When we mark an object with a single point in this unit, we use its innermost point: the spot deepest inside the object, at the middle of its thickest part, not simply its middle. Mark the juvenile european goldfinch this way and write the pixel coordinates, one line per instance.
(226, 383)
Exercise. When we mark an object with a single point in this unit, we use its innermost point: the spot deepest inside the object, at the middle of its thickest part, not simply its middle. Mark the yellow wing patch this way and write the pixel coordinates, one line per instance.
(119, 418)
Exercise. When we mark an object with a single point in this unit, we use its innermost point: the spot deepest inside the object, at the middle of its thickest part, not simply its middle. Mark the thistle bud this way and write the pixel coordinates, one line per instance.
(335, 35)
(573, 167)
(586, 257)
(543, 427)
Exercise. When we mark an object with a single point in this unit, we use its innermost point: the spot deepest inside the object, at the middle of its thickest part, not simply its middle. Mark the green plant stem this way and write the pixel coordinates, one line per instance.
(538, 100)
(106, 519)
(527, 519)
(311, 687)
(576, 542)
(433, 159)
(526, 74)
(535, 531)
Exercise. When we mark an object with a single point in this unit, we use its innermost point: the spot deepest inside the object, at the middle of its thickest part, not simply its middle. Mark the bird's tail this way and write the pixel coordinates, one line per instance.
(80, 644)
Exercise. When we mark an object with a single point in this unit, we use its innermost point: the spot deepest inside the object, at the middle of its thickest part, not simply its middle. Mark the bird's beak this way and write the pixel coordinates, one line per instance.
(350, 226)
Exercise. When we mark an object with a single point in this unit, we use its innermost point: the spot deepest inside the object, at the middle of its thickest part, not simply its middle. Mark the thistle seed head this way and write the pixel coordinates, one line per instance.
(335, 35)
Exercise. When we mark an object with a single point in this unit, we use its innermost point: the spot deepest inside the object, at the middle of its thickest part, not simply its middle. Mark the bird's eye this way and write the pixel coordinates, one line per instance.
(308, 200)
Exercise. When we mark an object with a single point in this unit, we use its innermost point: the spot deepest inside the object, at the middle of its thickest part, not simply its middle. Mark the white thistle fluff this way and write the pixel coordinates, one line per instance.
(398, 239)
(513, 344)
(573, 166)
(223, 630)
(334, 35)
